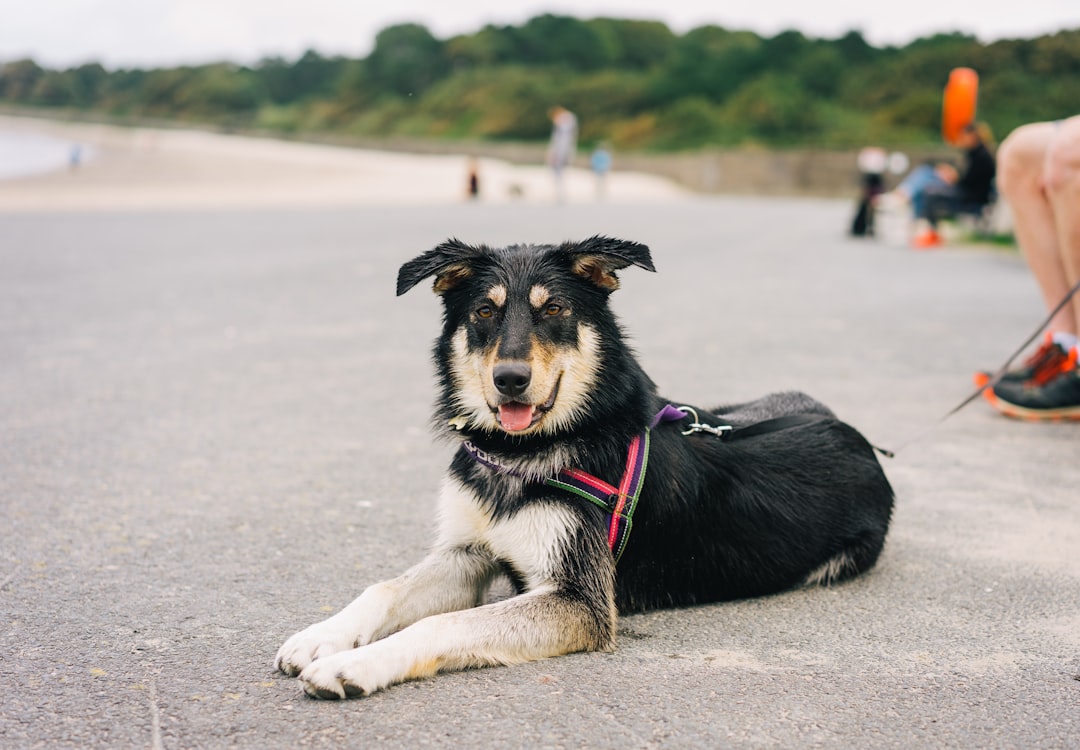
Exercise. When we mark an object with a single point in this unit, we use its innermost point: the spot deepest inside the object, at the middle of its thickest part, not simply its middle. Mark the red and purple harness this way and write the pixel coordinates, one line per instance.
(618, 502)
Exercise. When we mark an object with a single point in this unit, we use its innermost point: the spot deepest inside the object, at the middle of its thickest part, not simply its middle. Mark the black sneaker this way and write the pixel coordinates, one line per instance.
(1054, 401)
(1044, 364)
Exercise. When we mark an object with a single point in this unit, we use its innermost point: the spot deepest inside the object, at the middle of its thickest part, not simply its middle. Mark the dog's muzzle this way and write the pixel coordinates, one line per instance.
(512, 380)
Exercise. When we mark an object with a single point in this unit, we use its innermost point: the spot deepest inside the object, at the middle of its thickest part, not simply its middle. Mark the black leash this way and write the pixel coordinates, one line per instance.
(993, 378)
(793, 420)
(728, 433)
(775, 424)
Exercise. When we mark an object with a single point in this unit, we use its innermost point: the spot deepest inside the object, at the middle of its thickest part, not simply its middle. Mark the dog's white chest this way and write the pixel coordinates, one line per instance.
(531, 540)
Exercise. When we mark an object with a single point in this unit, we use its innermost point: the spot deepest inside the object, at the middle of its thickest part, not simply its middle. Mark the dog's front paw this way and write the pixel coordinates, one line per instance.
(316, 642)
(348, 674)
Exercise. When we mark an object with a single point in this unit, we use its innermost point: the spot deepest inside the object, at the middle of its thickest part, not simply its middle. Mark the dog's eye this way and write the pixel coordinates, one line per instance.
(553, 308)
(484, 311)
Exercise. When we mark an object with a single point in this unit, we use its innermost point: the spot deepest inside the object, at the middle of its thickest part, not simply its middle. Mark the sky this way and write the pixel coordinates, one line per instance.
(159, 33)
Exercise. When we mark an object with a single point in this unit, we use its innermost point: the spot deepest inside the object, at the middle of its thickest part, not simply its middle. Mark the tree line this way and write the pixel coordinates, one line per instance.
(635, 84)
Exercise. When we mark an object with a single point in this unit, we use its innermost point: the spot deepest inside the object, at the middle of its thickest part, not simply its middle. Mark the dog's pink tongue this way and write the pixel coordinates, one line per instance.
(515, 416)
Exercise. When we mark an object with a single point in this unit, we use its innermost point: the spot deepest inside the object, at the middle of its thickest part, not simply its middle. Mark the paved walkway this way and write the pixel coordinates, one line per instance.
(215, 433)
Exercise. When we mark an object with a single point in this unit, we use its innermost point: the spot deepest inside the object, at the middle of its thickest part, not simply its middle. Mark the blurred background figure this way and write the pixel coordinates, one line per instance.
(967, 192)
(912, 189)
(872, 162)
(473, 188)
(937, 191)
(600, 161)
(562, 147)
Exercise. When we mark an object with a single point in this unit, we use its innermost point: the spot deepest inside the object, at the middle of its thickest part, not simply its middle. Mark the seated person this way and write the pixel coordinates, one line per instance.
(936, 191)
(1040, 178)
(913, 188)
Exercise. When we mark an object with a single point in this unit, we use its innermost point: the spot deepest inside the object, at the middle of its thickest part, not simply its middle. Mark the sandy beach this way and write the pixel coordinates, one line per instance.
(153, 169)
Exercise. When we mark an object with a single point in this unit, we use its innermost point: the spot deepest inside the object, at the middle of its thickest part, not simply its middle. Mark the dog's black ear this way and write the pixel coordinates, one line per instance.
(598, 258)
(450, 262)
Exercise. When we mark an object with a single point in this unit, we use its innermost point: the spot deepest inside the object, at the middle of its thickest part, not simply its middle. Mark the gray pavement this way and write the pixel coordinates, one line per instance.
(213, 432)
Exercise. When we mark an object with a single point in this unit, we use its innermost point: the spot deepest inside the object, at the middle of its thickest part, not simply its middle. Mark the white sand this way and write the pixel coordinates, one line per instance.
(148, 169)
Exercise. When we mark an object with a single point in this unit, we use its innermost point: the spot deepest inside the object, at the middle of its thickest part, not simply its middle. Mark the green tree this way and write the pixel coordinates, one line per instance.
(122, 91)
(509, 102)
(221, 89)
(18, 79)
(638, 45)
(691, 122)
(711, 62)
(88, 84)
(406, 60)
(562, 40)
(492, 45)
(1057, 55)
(776, 108)
(53, 89)
(783, 51)
(855, 49)
(311, 76)
(821, 70)
(159, 92)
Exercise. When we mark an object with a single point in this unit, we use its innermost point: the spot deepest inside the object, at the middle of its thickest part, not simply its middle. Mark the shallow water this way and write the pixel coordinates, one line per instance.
(23, 154)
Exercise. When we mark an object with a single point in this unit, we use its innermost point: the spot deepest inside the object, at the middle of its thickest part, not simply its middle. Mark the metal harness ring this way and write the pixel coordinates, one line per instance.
(698, 426)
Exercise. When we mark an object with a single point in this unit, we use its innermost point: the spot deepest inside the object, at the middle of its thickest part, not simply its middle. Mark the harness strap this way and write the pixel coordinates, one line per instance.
(618, 502)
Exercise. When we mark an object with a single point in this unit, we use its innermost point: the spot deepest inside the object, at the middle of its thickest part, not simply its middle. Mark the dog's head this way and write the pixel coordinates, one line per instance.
(523, 344)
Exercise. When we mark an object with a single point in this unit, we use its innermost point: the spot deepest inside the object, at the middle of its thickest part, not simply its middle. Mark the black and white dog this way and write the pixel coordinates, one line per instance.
(565, 448)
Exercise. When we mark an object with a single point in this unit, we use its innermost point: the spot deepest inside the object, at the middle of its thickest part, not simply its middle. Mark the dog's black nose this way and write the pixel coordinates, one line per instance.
(512, 378)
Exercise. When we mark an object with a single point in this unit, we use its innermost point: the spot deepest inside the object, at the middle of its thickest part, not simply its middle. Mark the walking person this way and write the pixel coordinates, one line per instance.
(562, 147)
(600, 161)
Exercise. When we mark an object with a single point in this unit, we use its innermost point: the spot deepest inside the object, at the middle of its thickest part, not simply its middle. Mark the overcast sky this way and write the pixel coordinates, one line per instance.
(147, 33)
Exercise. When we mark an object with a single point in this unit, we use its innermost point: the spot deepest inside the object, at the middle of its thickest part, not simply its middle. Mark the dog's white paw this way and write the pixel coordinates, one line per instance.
(350, 674)
(319, 641)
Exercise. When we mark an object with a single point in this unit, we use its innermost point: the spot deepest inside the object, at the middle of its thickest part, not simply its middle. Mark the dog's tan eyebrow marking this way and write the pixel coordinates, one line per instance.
(538, 295)
(497, 294)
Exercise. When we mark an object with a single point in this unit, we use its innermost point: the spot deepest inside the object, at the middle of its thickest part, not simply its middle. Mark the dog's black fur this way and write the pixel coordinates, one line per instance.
(717, 519)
